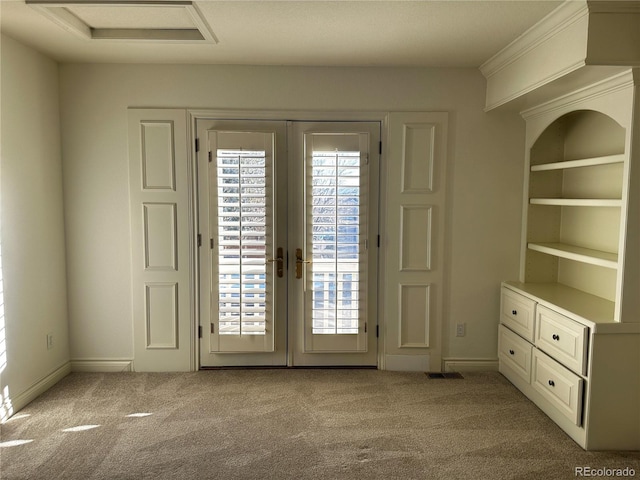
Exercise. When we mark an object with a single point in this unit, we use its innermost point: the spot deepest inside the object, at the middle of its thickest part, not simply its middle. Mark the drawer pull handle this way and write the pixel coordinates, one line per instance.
(555, 337)
(511, 352)
(552, 383)
(514, 312)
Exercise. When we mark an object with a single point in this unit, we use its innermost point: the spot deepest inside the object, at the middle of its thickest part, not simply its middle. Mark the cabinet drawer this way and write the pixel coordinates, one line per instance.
(561, 387)
(515, 352)
(562, 338)
(518, 313)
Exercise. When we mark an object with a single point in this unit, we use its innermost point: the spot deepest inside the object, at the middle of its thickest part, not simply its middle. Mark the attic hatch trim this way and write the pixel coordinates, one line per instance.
(61, 14)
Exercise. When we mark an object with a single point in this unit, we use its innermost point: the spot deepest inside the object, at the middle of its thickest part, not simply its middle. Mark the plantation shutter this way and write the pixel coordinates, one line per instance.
(336, 179)
(241, 200)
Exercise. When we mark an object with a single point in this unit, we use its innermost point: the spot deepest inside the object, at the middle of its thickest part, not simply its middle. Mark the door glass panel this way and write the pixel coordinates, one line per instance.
(243, 241)
(334, 240)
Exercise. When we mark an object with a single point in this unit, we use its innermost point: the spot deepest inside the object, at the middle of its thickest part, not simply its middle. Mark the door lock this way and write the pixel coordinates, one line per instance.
(279, 261)
(299, 262)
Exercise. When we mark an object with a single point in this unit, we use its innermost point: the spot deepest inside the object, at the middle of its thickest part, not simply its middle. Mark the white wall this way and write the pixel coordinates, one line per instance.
(485, 174)
(33, 250)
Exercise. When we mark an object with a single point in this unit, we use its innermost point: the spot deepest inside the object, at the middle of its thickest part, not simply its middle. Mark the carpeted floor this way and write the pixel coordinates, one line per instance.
(290, 424)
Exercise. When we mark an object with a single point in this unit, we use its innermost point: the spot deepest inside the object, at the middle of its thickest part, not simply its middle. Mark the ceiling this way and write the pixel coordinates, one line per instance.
(423, 33)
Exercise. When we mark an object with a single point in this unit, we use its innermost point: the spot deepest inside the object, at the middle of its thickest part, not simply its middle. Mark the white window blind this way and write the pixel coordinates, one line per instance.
(335, 239)
(243, 241)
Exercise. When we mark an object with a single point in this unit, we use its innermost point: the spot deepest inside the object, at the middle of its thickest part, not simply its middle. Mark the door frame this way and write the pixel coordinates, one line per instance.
(194, 115)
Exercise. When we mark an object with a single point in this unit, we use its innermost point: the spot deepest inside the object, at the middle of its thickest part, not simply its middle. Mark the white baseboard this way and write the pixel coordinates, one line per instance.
(101, 365)
(23, 399)
(470, 364)
(406, 363)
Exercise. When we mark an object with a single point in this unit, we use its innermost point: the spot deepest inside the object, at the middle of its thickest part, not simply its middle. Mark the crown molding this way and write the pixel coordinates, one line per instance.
(621, 81)
(557, 21)
(535, 86)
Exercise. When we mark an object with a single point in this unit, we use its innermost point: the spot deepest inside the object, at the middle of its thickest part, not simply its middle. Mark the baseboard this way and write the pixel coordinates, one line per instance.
(406, 363)
(101, 365)
(23, 399)
(470, 364)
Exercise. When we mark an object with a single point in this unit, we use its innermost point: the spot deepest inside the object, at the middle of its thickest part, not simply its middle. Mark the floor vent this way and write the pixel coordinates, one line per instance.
(444, 375)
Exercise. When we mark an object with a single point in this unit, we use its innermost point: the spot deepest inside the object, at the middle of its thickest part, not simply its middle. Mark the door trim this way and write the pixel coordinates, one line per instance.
(195, 115)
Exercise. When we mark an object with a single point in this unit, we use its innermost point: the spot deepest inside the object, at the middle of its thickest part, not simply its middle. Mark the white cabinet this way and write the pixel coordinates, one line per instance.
(583, 374)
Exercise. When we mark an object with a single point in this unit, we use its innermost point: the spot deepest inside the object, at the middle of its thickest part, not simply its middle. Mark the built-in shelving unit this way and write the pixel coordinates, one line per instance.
(575, 203)
(567, 339)
(569, 333)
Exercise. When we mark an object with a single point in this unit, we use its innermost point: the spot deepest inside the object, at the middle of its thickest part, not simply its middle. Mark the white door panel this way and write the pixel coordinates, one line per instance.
(414, 236)
(161, 240)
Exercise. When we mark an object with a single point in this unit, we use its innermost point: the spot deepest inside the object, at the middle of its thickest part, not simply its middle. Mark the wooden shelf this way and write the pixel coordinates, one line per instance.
(577, 202)
(578, 254)
(586, 162)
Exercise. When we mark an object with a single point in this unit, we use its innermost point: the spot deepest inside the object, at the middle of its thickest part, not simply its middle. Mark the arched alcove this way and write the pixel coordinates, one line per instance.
(575, 199)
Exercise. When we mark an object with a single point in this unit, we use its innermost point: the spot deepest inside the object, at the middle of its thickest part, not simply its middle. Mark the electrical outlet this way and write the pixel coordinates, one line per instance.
(460, 328)
(49, 341)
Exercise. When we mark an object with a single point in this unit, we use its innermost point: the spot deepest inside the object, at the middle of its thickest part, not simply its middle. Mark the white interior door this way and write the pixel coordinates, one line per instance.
(333, 236)
(242, 199)
(288, 256)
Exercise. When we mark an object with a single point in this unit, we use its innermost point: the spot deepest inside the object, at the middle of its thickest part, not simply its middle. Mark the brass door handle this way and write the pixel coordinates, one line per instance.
(299, 262)
(280, 262)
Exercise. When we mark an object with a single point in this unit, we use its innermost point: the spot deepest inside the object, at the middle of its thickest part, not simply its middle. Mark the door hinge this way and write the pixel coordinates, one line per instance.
(377, 331)
(380, 147)
(199, 240)
(199, 331)
(213, 328)
(365, 327)
(378, 241)
(211, 243)
(210, 157)
(197, 144)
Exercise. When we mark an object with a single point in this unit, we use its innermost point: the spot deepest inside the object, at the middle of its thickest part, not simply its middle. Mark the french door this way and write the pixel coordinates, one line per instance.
(288, 253)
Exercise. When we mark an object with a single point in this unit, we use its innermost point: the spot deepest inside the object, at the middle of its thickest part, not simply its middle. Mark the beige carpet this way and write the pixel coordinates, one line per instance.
(290, 424)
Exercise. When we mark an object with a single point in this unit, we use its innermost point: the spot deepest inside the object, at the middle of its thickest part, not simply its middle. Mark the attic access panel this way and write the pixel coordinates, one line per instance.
(131, 20)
